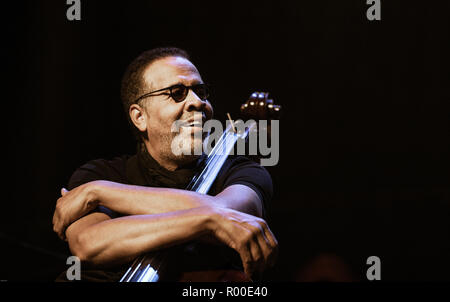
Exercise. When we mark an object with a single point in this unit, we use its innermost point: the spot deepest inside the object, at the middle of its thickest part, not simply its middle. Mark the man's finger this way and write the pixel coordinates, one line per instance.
(269, 235)
(64, 191)
(272, 244)
(266, 249)
(257, 247)
(61, 232)
(246, 258)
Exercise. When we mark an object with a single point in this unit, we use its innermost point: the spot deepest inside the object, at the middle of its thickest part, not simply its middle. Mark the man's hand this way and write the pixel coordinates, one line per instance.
(250, 236)
(247, 234)
(71, 206)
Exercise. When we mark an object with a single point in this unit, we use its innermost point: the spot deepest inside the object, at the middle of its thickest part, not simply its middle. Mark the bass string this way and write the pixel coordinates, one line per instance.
(212, 160)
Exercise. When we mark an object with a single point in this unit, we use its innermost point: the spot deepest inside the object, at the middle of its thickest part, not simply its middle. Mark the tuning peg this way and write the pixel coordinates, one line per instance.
(260, 107)
(274, 111)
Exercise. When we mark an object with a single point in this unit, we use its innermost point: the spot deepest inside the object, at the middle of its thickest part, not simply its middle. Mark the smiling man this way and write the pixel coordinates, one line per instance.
(115, 210)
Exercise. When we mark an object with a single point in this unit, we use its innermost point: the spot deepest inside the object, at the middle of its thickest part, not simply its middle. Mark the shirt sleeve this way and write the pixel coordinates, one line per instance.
(98, 169)
(247, 172)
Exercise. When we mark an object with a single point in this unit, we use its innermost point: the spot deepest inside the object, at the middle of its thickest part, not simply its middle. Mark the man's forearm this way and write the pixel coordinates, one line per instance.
(138, 200)
(120, 240)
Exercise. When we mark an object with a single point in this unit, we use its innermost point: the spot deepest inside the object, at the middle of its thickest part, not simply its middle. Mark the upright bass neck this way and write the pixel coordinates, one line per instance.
(149, 267)
(201, 183)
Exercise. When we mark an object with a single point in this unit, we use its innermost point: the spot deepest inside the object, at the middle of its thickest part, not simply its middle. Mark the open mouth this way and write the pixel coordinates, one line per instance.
(193, 127)
(196, 122)
(193, 124)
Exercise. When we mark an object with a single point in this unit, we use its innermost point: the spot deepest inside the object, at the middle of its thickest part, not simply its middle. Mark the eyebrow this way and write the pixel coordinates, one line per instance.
(193, 83)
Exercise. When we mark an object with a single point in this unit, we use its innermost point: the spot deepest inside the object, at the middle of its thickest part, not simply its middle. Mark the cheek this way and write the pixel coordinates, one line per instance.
(209, 111)
(162, 118)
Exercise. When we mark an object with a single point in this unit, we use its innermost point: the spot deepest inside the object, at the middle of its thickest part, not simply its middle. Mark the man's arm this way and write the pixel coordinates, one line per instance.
(160, 218)
(102, 241)
(136, 200)
(99, 240)
(139, 200)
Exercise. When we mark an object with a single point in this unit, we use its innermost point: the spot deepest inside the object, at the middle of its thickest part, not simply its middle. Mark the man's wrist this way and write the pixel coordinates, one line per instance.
(211, 217)
(94, 191)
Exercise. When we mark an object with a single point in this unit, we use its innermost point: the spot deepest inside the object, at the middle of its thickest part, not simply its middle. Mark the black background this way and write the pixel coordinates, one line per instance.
(364, 141)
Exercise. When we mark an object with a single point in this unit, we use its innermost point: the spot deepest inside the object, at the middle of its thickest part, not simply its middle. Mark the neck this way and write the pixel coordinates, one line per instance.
(167, 162)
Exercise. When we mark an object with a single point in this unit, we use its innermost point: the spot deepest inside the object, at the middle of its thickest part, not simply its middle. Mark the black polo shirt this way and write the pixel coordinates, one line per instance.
(135, 171)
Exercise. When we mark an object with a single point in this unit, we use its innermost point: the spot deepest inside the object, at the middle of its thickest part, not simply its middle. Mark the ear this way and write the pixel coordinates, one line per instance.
(138, 117)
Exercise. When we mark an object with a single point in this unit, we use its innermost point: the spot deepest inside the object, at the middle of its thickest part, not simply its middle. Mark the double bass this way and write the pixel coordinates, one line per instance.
(159, 265)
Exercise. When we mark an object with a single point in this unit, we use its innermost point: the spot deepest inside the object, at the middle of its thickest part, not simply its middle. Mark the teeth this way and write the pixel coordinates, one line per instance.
(195, 124)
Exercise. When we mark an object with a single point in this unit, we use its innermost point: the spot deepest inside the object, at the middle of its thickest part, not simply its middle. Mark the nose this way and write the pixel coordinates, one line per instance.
(194, 103)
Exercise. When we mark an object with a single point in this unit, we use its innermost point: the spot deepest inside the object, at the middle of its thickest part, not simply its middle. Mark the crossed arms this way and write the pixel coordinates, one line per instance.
(156, 218)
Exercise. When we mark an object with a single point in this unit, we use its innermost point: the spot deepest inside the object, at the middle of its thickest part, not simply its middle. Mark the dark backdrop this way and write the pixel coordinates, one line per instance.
(364, 142)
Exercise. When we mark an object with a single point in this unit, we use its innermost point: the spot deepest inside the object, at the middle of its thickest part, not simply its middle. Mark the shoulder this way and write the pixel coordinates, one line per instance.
(100, 169)
(244, 171)
(243, 166)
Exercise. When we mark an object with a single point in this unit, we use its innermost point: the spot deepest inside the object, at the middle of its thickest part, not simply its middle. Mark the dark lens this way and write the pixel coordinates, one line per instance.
(179, 92)
(201, 91)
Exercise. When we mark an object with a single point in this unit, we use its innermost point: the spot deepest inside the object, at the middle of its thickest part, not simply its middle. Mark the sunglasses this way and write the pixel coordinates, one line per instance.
(179, 92)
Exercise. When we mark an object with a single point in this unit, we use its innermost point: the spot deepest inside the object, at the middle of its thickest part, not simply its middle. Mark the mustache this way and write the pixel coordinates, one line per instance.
(196, 117)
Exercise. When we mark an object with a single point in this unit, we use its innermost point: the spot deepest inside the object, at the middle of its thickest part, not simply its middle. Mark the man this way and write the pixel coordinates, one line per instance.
(118, 209)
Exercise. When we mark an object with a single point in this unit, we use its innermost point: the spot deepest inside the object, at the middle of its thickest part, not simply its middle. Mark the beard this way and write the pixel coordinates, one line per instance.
(182, 147)
(187, 139)
(181, 143)
(188, 143)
